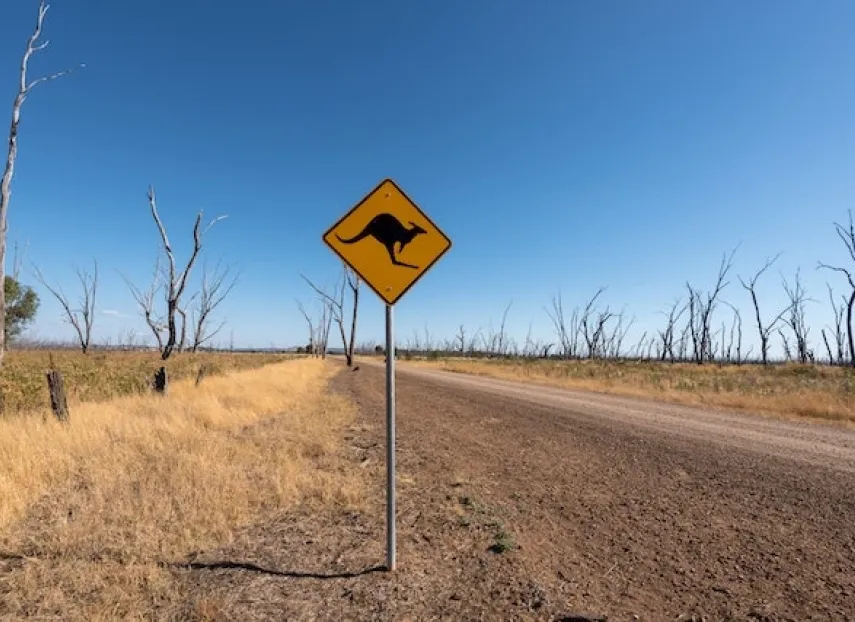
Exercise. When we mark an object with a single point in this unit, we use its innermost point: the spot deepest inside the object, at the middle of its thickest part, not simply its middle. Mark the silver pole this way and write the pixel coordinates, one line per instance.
(390, 439)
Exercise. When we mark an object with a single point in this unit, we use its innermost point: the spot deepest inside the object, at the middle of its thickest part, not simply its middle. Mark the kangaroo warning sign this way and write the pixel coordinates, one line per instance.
(388, 241)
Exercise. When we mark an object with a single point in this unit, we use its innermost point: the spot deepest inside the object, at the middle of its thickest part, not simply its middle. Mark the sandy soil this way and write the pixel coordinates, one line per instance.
(519, 502)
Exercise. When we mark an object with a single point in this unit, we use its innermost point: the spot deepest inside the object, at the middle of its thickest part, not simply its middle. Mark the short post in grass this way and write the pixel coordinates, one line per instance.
(390, 439)
(160, 381)
(58, 401)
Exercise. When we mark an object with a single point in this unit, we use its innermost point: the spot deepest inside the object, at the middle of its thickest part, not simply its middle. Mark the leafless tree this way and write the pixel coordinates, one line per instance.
(734, 347)
(530, 348)
(566, 330)
(414, 343)
(323, 329)
(839, 330)
(667, 336)
(763, 330)
(82, 317)
(311, 326)
(701, 312)
(847, 236)
(785, 344)
(495, 342)
(592, 329)
(174, 280)
(613, 343)
(460, 339)
(335, 305)
(503, 336)
(25, 87)
(429, 345)
(639, 346)
(795, 319)
(216, 286)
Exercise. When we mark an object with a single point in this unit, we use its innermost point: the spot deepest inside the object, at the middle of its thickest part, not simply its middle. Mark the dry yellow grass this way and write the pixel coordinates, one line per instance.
(798, 391)
(93, 508)
(105, 375)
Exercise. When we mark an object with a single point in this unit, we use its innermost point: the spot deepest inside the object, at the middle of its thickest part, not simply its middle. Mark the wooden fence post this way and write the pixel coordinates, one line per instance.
(160, 381)
(58, 401)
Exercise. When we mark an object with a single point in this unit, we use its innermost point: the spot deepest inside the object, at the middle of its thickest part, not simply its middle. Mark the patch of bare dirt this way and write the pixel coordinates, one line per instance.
(514, 510)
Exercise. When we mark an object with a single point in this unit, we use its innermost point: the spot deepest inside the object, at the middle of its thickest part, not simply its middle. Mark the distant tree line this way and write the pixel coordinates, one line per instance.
(700, 326)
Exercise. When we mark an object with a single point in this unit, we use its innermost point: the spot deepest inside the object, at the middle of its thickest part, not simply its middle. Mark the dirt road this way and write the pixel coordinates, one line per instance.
(523, 502)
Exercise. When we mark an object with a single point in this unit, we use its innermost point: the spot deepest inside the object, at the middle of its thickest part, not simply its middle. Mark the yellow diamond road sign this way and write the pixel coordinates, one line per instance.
(388, 241)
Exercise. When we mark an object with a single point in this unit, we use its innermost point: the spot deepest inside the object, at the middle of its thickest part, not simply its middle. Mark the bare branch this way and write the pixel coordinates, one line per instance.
(216, 286)
(146, 302)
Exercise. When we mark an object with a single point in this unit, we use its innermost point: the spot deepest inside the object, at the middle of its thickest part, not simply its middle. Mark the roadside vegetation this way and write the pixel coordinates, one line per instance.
(93, 515)
(790, 389)
(104, 375)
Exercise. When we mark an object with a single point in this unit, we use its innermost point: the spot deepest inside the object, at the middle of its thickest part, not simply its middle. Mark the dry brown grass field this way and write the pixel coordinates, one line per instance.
(90, 512)
(103, 375)
(799, 391)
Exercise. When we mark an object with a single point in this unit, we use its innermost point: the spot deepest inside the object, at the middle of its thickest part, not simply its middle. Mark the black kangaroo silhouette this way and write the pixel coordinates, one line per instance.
(388, 230)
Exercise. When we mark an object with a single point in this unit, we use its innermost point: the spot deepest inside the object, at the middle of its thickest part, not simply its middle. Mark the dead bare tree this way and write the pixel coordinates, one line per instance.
(795, 319)
(324, 328)
(701, 312)
(847, 236)
(25, 87)
(763, 330)
(839, 330)
(639, 346)
(667, 336)
(592, 331)
(735, 337)
(613, 342)
(310, 324)
(82, 317)
(503, 337)
(566, 330)
(335, 305)
(216, 286)
(176, 281)
(530, 347)
(460, 339)
(785, 344)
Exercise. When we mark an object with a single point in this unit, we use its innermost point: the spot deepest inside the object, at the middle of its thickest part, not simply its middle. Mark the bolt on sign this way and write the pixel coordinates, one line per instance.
(388, 241)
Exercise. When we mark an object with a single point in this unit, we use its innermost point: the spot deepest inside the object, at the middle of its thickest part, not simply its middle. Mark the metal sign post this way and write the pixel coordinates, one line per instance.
(390, 438)
(390, 244)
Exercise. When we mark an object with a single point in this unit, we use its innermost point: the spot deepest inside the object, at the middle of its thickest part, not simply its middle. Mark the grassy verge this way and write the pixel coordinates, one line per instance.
(91, 511)
(801, 391)
(102, 376)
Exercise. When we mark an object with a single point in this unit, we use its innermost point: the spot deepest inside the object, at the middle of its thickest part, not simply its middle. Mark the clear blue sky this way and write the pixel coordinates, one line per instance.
(559, 144)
